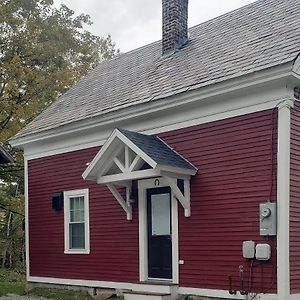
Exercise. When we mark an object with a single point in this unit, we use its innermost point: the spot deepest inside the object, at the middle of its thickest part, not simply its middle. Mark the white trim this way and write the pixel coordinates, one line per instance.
(67, 195)
(119, 164)
(107, 157)
(295, 297)
(222, 294)
(127, 176)
(180, 111)
(116, 142)
(296, 66)
(143, 252)
(143, 185)
(144, 287)
(100, 154)
(175, 240)
(80, 142)
(26, 217)
(283, 198)
(184, 199)
(257, 78)
(135, 163)
(124, 204)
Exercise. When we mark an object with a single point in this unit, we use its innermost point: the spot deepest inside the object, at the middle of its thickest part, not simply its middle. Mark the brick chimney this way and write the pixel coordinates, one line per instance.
(174, 25)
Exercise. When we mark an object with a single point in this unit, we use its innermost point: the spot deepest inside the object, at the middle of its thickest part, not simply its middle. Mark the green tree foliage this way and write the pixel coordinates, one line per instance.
(43, 51)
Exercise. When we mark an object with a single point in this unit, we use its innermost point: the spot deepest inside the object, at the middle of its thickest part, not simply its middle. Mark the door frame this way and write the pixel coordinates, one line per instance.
(143, 185)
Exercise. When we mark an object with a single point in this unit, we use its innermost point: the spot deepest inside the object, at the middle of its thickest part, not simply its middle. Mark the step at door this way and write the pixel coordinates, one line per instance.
(146, 296)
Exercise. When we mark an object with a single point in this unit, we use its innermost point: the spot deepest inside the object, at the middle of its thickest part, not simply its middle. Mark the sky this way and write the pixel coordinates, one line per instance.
(134, 23)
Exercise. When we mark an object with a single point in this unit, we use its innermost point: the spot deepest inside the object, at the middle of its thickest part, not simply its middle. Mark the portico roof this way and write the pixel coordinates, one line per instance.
(128, 156)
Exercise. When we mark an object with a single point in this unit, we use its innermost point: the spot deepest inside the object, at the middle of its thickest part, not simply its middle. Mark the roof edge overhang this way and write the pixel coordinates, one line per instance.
(196, 93)
(123, 159)
(100, 160)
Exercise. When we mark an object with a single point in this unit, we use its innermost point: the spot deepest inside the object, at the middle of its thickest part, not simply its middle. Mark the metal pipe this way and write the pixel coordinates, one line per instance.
(230, 290)
(241, 271)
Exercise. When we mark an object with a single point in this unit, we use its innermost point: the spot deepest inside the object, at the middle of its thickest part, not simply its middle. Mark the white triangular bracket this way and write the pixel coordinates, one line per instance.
(125, 204)
(185, 197)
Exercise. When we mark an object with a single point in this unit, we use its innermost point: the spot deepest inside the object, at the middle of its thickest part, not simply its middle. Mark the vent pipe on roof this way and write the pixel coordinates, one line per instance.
(174, 25)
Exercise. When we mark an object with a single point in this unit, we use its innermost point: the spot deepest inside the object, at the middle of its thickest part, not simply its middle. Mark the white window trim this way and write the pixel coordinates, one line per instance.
(67, 196)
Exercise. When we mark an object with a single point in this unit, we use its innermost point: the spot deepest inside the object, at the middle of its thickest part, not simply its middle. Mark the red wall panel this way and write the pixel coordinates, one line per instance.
(295, 201)
(114, 240)
(234, 161)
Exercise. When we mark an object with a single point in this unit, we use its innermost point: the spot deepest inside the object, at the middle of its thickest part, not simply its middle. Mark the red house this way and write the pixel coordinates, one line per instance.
(174, 169)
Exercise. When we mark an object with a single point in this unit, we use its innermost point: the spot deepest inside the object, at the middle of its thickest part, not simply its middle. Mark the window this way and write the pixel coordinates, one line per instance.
(76, 211)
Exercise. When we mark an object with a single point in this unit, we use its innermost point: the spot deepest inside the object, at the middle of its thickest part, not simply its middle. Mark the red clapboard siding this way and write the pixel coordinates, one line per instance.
(114, 241)
(295, 201)
(234, 161)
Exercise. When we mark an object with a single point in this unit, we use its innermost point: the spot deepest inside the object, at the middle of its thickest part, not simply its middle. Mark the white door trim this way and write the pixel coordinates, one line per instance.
(143, 185)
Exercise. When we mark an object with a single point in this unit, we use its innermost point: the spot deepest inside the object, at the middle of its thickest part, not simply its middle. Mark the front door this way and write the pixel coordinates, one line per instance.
(159, 233)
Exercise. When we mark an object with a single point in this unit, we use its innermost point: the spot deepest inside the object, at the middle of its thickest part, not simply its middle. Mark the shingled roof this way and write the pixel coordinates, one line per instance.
(157, 150)
(258, 36)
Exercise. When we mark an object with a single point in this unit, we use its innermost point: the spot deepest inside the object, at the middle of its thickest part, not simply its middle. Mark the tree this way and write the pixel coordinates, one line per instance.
(43, 51)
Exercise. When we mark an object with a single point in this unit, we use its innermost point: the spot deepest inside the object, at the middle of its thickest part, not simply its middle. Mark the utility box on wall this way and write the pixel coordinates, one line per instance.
(57, 201)
(268, 219)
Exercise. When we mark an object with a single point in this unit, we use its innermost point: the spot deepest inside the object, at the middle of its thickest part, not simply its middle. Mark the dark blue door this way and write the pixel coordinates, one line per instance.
(159, 233)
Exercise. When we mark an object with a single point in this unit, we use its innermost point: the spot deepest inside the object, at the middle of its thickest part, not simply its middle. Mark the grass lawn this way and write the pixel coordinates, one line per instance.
(14, 283)
(58, 294)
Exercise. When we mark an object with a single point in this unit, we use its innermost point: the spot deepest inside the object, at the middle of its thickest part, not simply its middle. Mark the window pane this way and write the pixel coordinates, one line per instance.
(81, 203)
(72, 202)
(161, 216)
(77, 209)
(72, 216)
(78, 216)
(77, 236)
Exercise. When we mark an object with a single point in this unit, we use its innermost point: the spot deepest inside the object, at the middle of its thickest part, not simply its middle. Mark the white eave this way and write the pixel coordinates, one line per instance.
(289, 70)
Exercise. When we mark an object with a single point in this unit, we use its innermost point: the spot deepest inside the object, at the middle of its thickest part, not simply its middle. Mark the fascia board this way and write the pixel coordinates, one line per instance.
(296, 66)
(91, 171)
(202, 93)
(177, 170)
(88, 173)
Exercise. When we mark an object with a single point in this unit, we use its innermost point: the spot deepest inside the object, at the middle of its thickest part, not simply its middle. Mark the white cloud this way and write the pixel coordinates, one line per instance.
(134, 23)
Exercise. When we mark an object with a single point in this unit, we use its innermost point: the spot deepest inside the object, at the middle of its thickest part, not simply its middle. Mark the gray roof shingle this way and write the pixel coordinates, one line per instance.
(263, 34)
(157, 150)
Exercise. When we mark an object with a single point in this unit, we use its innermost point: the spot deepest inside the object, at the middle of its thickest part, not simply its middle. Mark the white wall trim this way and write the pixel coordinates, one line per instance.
(180, 111)
(143, 185)
(263, 77)
(26, 217)
(222, 294)
(65, 146)
(67, 195)
(283, 198)
(136, 286)
(295, 297)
